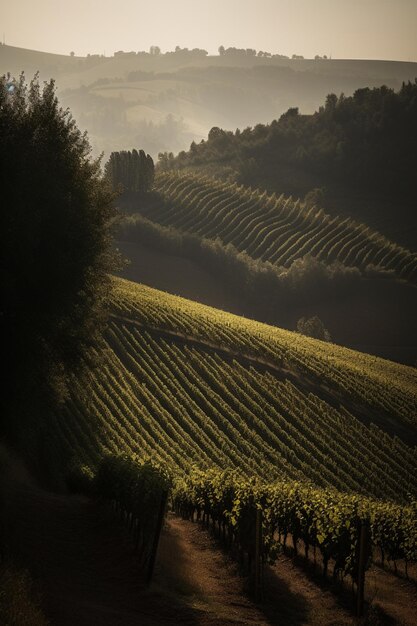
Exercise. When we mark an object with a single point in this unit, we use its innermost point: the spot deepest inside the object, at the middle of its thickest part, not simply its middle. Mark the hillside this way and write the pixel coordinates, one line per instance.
(279, 259)
(99, 583)
(163, 102)
(279, 230)
(356, 156)
(189, 384)
(25, 59)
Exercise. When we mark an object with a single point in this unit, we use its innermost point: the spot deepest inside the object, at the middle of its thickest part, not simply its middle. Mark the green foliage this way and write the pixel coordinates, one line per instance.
(324, 519)
(295, 241)
(193, 387)
(56, 244)
(130, 172)
(186, 384)
(313, 327)
(137, 486)
(267, 288)
(367, 140)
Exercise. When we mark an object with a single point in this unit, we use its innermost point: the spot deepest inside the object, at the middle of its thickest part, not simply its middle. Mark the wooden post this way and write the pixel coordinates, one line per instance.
(363, 542)
(158, 529)
(258, 556)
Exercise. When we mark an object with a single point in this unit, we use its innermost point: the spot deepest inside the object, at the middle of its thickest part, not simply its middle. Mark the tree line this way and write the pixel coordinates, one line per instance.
(367, 141)
(130, 171)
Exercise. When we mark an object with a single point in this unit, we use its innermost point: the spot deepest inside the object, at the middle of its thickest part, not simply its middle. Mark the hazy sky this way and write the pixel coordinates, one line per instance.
(373, 29)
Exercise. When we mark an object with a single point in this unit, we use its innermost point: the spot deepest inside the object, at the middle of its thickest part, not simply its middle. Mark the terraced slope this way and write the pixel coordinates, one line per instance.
(278, 230)
(189, 384)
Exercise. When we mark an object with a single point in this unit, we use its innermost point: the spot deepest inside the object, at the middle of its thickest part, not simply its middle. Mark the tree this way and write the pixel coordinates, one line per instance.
(215, 133)
(221, 50)
(331, 102)
(315, 197)
(72, 53)
(166, 161)
(56, 245)
(291, 114)
(130, 171)
(313, 327)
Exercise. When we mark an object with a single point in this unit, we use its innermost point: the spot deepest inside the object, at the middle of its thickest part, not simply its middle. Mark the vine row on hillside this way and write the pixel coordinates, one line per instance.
(184, 404)
(269, 228)
(384, 388)
(322, 519)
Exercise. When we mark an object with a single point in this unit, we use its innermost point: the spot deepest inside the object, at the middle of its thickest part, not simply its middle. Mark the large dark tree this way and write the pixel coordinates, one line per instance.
(56, 214)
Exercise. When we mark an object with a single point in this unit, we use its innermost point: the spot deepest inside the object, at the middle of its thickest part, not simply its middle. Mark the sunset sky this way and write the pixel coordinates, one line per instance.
(373, 29)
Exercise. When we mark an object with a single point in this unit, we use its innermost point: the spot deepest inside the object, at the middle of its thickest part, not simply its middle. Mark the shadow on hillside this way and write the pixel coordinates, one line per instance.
(280, 604)
(341, 592)
(196, 568)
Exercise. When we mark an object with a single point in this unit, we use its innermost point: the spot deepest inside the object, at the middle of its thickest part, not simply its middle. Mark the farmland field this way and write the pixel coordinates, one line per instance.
(189, 384)
(279, 230)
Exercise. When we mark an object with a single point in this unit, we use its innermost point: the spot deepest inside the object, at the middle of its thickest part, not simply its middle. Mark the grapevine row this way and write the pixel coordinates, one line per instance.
(322, 519)
(270, 228)
(186, 403)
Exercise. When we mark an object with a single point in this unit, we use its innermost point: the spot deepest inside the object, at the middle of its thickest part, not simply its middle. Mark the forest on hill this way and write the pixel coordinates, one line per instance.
(360, 148)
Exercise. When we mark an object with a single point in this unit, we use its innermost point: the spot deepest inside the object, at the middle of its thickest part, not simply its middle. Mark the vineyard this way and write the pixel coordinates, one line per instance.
(191, 385)
(322, 519)
(278, 230)
(267, 435)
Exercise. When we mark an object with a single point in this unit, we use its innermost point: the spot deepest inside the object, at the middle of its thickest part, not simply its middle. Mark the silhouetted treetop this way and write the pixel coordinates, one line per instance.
(56, 240)
(368, 140)
(130, 171)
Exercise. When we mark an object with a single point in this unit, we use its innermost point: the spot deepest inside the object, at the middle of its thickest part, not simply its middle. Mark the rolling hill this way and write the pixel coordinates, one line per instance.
(355, 156)
(192, 385)
(277, 230)
(280, 259)
(163, 102)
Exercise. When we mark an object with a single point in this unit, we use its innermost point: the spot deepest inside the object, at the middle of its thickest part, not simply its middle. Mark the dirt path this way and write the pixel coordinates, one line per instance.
(396, 596)
(83, 561)
(212, 580)
(392, 600)
(191, 564)
(191, 558)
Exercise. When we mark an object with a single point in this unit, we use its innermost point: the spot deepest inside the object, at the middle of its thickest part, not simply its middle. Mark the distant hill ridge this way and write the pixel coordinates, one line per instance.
(402, 70)
(199, 92)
